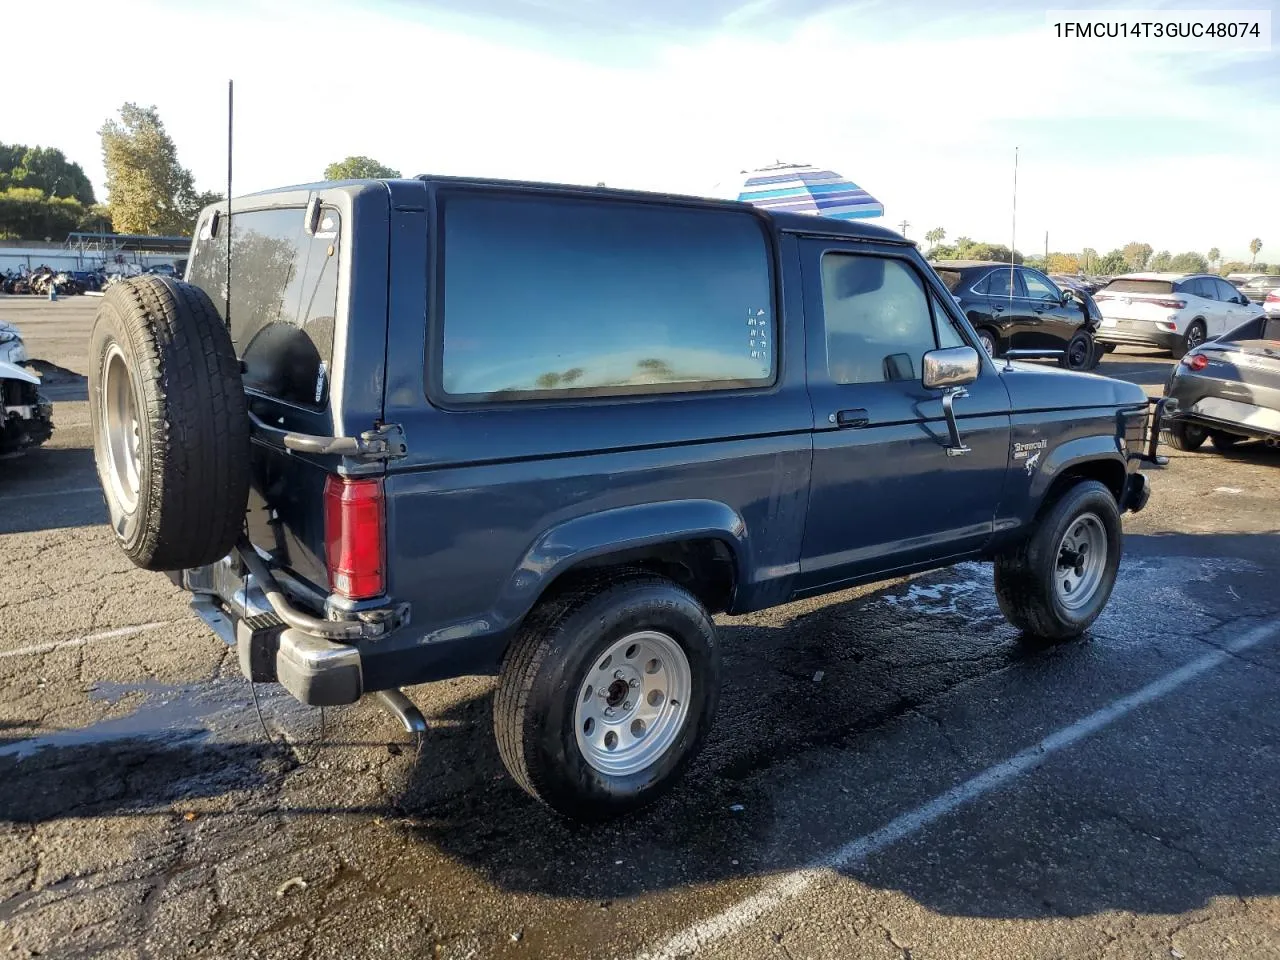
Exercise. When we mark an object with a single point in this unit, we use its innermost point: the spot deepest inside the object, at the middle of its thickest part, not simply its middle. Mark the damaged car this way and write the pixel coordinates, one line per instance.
(27, 417)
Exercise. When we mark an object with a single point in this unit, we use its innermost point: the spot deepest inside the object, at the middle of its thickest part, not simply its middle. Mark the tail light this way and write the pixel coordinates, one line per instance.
(1195, 361)
(355, 536)
(1273, 296)
(1169, 304)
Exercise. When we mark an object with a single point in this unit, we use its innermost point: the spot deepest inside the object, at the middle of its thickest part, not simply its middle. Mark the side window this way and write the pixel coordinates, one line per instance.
(1225, 290)
(948, 335)
(1200, 287)
(1038, 288)
(284, 297)
(877, 318)
(1002, 283)
(550, 297)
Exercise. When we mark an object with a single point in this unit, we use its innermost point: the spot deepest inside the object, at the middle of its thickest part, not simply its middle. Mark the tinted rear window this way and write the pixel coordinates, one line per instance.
(951, 278)
(1138, 286)
(552, 297)
(284, 297)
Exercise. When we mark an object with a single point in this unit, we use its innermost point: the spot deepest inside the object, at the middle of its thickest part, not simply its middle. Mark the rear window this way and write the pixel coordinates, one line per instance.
(559, 298)
(1138, 286)
(284, 297)
(951, 278)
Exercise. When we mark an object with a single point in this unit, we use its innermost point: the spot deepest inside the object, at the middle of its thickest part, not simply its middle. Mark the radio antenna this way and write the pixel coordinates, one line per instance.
(1013, 240)
(231, 99)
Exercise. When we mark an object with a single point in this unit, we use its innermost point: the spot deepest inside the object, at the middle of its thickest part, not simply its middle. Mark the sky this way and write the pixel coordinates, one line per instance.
(920, 103)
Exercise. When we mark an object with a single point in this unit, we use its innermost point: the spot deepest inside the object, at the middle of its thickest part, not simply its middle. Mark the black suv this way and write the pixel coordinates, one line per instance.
(438, 427)
(1017, 308)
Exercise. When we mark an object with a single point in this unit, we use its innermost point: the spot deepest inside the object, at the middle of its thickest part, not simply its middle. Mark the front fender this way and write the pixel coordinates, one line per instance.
(614, 531)
(1073, 453)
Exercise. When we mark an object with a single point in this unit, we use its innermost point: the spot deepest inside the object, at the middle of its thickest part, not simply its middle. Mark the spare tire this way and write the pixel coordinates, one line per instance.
(170, 423)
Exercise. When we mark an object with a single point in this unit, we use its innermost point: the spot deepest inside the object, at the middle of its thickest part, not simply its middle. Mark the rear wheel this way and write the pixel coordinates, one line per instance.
(1222, 442)
(1195, 335)
(170, 424)
(1053, 586)
(1187, 436)
(988, 341)
(606, 695)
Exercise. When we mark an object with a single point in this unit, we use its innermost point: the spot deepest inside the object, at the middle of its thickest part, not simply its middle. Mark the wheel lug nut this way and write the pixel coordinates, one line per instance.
(617, 674)
(634, 683)
(626, 705)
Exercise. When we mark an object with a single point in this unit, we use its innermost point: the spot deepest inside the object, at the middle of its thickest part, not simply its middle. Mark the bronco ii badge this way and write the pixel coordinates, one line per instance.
(1029, 453)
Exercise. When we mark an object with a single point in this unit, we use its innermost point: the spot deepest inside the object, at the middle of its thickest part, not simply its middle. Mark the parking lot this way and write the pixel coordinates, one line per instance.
(893, 773)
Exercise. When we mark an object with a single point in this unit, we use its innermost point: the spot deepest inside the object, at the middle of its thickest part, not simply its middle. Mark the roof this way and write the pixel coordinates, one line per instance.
(787, 222)
(968, 264)
(1159, 276)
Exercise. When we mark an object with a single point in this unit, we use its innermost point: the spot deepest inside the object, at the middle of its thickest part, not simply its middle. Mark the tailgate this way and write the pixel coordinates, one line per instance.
(304, 264)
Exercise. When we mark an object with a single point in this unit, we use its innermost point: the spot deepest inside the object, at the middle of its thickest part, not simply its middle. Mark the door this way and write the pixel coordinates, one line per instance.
(1003, 291)
(1235, 313)
(884, 493)
(1057, 323)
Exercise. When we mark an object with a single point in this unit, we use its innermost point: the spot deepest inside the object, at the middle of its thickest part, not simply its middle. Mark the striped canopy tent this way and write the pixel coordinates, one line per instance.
(800, 188)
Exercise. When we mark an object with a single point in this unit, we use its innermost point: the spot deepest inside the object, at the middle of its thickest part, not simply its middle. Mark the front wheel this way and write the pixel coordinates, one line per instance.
(1079, 354)
(987, 340)
(607, 694)
(1053, 586)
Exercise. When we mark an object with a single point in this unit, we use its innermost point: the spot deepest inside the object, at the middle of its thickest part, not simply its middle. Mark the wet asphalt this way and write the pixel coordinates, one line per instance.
(894, 771)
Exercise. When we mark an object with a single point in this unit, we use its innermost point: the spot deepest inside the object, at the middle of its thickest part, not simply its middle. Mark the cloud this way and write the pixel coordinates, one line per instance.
(920, 105)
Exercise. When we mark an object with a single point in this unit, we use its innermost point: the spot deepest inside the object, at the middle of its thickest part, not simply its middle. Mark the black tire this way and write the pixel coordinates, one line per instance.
(1195, 335)
(533, 711)
(173, 359)
(988, 342)
(1186, 436)
(1224, 442)
(1025, 576)
(1079, 354)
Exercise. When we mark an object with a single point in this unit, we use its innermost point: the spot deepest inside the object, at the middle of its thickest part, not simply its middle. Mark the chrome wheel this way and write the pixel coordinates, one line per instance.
(1082, 562)
(988, 342)
(633, 703)
(1195, 336)
(121, 430)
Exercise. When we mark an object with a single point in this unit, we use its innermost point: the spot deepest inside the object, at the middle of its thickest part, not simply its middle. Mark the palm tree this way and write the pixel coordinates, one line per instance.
(1214, 253)
(1254, 246)
(935, 236)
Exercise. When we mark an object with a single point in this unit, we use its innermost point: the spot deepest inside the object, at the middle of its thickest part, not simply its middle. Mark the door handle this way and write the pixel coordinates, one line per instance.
(856, 417)
(996, 308)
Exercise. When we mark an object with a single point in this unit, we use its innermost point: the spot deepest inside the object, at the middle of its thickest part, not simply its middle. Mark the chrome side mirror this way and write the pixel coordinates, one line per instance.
(950, 367)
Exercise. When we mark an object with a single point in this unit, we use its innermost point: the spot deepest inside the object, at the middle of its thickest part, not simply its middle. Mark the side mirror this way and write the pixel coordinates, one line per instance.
(950, 367)
(1067, 297)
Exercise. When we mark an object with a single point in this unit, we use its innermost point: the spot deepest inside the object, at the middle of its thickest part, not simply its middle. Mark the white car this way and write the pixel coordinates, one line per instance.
(1271, 305)
(1175, 311)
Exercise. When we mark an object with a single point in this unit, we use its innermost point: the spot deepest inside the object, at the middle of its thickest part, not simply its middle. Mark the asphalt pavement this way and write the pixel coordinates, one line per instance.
(894, 771)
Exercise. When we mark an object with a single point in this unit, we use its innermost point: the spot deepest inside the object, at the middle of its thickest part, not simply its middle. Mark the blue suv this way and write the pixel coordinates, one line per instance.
(439, 427)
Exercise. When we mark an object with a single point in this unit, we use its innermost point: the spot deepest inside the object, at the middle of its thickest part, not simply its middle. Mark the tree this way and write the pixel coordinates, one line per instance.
(1160, 262)
(1113, 263)
(1063, 263)
(44, 169)
(997, 252)
(148, 191)
(27, 214)
(1137, 255)
(1254, 246)
(1089, 259)
(1214, 255)
(359, 168)
(935, 236)
(1189, 262)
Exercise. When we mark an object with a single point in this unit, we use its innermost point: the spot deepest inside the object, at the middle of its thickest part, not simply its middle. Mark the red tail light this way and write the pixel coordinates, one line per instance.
(1170, 304)
(355, 536)
(1273, 297)
(1195, 361)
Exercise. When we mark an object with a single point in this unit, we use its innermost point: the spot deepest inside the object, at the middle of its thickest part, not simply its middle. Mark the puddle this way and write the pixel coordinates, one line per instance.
(215, 710)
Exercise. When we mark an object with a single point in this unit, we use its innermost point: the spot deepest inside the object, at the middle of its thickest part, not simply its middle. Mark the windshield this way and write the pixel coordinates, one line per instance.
(1123, 285)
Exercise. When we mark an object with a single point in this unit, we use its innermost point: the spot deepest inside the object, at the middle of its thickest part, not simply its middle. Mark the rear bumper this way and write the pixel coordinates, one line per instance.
(1245, 409)
(1139, 333)
(320, 670)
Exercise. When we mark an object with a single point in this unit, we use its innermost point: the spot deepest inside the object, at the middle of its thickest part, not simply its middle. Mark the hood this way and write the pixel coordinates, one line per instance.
(1037, 387)
(11, 371)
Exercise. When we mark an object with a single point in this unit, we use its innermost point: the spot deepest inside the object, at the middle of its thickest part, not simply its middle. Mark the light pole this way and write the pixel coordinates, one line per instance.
(903, 227)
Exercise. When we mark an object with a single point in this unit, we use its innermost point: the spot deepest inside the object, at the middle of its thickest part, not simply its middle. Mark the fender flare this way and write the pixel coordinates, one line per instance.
(613, 531)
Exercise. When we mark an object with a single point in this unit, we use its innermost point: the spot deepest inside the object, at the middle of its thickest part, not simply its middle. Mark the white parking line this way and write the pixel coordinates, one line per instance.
(795, 883)
(10, 497)
(116, 634)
